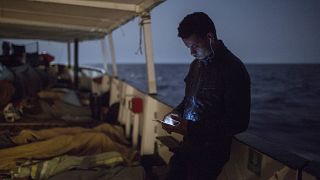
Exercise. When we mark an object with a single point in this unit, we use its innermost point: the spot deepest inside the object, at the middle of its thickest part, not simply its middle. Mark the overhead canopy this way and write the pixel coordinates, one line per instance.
(66, 20)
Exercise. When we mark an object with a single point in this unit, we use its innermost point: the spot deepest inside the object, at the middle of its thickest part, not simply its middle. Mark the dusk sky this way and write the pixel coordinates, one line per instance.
(267, 31)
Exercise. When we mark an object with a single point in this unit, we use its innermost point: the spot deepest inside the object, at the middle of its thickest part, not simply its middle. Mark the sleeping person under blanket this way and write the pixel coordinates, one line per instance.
(77, 141)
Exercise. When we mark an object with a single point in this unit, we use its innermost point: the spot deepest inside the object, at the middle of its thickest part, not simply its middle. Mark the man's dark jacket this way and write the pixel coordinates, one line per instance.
(216, 102)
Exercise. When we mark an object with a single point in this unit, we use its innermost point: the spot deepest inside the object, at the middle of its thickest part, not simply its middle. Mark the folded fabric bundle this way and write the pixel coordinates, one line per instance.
(45, 169)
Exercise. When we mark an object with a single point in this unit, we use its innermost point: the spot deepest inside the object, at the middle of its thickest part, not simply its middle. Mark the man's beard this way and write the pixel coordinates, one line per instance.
(204, 54)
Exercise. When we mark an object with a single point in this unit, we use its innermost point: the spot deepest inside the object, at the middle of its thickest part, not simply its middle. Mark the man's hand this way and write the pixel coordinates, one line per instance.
(181, 128)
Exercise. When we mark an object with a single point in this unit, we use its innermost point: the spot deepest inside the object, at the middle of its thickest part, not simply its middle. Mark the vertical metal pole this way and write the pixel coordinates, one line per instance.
(38, 47)
(146, 24)
(76, 63)
(113, 56)
(104, 54)
(69, 54)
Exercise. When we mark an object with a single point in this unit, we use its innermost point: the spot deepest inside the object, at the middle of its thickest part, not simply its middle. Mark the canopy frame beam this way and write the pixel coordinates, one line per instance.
(97, 4)
(51, 25)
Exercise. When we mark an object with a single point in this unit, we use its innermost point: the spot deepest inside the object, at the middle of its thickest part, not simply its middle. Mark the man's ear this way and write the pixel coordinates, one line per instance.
(210, 36)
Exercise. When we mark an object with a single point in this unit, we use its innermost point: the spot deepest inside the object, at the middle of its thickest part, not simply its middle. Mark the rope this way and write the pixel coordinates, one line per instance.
(139, 50)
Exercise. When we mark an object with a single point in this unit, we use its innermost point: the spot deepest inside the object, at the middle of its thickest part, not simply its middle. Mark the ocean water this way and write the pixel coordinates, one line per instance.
(285, 100)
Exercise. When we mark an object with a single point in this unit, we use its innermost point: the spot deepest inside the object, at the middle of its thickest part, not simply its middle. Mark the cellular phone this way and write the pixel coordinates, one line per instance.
(169, 121)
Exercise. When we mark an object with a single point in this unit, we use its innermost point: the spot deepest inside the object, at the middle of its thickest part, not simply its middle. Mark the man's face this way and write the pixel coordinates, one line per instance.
(199, 47)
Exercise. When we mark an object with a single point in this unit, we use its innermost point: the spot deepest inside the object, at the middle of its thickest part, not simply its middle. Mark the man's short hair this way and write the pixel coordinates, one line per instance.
(197, 23)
